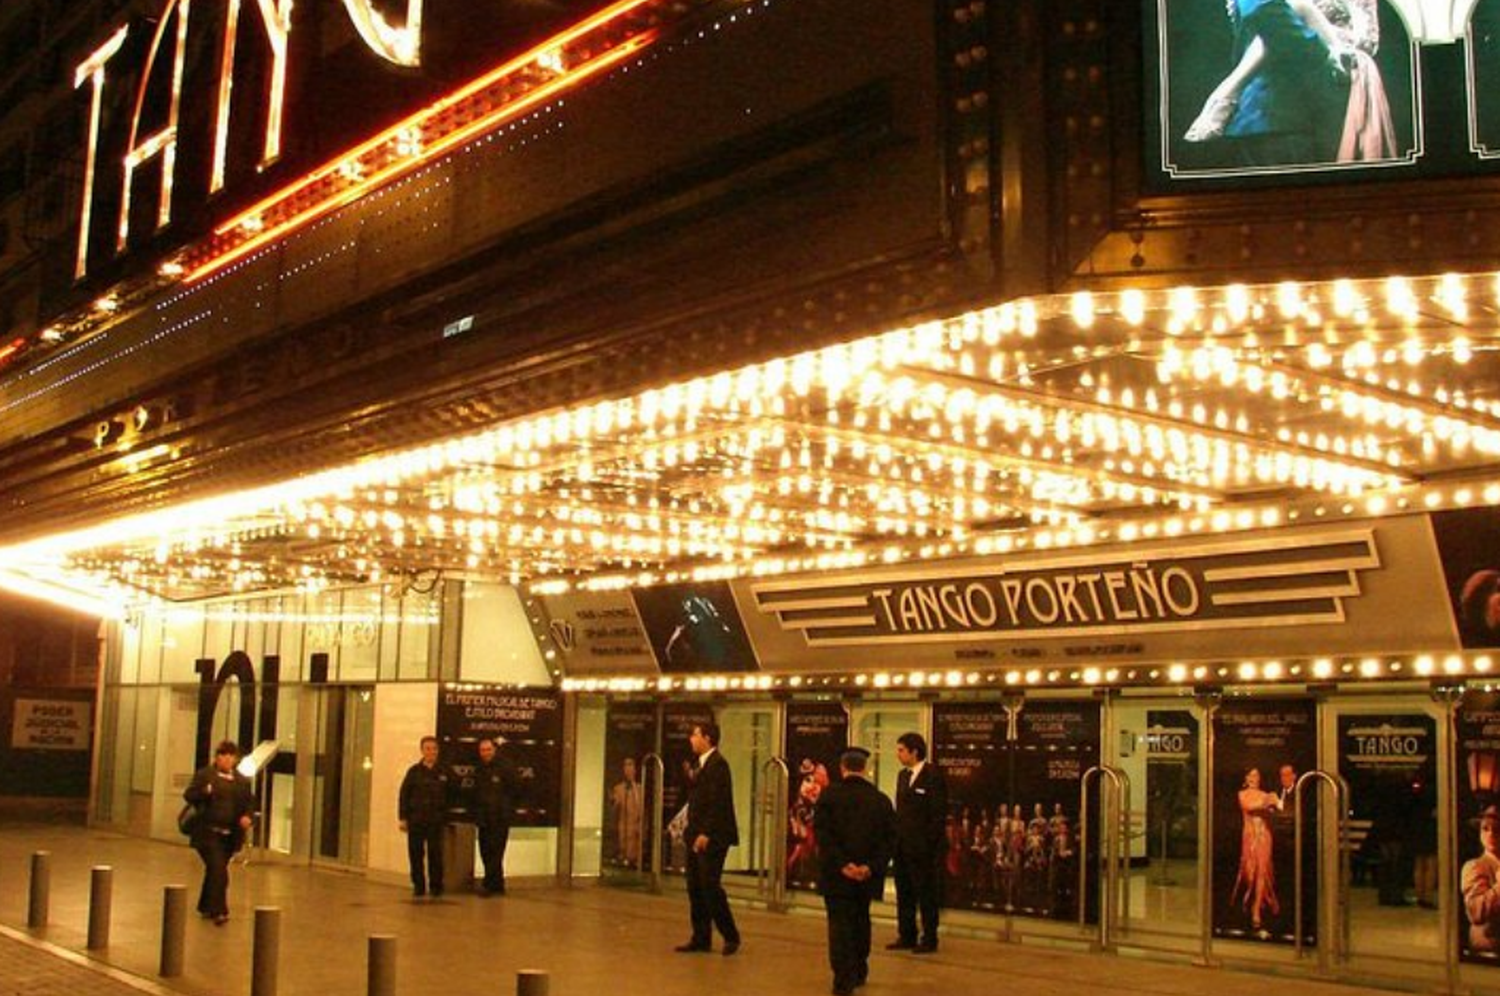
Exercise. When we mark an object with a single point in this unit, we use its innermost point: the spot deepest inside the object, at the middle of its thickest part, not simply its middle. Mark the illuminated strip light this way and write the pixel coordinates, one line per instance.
(362, 169)
(31, 587)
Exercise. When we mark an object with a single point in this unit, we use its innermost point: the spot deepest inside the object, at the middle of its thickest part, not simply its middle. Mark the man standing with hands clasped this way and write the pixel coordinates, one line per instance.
(711, 832)
(856, 834)
(423, 812)
(496, 789)
(921, 838)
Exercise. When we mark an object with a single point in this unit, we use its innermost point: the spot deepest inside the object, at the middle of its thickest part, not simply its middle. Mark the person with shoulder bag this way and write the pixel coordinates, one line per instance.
(225, 809)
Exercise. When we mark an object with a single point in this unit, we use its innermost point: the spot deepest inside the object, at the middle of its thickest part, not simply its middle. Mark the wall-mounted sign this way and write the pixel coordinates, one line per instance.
(597, 633)
(527, 727)
(51, 724)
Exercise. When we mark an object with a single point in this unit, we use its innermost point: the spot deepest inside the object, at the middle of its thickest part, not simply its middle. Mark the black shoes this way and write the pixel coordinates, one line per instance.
(926, 947)
(692, 947)
(900, 945)
(730, 947)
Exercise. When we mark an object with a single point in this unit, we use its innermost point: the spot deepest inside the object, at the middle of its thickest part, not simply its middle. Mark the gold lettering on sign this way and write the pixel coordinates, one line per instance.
(163, 142)
(92, 71)
(276, 19)
(402, 45)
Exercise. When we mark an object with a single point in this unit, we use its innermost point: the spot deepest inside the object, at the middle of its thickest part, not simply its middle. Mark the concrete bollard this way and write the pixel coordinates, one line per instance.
(531, 982)
(101, 897)
(41, 889)
(173, 929)
(265, 959)
(382, 973)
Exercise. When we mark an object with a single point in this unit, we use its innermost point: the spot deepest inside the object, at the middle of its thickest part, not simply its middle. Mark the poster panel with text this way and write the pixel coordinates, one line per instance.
(970, 745)
(629, 736)
(1056, 742)
(1260, 747)
(681, 763)
(1478, 827)
(527, 727)
(816, 734)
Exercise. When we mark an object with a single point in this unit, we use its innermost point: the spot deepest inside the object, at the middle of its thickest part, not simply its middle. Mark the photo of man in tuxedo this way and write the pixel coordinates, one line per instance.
(921, 845)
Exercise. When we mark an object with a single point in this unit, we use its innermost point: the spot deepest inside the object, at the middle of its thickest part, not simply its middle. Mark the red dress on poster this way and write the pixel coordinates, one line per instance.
(1257, 876)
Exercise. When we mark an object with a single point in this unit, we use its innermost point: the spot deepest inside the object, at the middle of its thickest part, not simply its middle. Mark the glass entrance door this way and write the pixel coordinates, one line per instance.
(749, 737)
(343, 743)
(1158, 744)
(1390, 752)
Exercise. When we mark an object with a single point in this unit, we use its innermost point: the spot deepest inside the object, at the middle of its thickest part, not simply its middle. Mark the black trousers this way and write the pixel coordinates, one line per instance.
(425, 840)
(492, 841)
(706, 900)
(213, 895)
(919, 889)
(848, 939)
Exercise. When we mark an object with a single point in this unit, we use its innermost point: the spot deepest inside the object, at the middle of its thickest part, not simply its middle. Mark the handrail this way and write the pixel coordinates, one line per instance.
(653, 764)
(774, 804)
(1119, 795)
(1334, 933)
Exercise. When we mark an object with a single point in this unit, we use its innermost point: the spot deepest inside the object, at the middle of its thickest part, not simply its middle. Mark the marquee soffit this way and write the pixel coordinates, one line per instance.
(1057, 421)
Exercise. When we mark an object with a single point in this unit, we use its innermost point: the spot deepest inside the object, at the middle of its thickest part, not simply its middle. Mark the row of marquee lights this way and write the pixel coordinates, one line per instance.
(187, 537)
(1423, 667)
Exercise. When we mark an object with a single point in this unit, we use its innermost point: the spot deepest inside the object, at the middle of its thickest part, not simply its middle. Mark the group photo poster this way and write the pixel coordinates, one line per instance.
(1056, 743)
(526, 725)
(629, 737)
(1260, 749)
(816, 734)
(971, 746)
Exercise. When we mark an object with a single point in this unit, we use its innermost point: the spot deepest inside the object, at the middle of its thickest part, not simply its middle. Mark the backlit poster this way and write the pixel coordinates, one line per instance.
(1056, 742)
(1468, 542)
(629, 737)
(694, 628)
(526, 726)
(1270, 87)
(816, 734)
(1261, 746)
(970, 745)
(1478, 827)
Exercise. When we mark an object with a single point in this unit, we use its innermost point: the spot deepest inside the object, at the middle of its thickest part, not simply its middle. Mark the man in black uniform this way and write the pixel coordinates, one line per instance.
(495, 792)
(921, 839)
(226, 805)
(711, 831)
(856, 835)
(424, 813)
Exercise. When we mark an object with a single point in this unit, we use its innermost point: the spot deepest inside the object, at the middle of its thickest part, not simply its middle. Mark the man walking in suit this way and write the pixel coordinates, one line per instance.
(921, 838)
(856, 835)
(711, 832)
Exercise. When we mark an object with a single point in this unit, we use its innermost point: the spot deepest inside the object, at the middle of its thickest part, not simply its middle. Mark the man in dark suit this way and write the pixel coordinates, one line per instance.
(856, 835)
(921, 837)
(711, 832)
(496, 789)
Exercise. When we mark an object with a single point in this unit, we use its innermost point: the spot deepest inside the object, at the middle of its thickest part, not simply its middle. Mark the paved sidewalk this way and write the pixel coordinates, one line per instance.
(592, 940)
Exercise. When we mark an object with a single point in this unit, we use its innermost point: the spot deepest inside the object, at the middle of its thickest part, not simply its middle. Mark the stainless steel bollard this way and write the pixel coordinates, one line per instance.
(531, 982)
(41, 889)
(382, 978)
(265, 958)
(173, 929)
(101, 896)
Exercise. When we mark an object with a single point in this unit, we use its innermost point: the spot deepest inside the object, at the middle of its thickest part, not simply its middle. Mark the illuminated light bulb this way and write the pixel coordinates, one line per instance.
(1091, 676)
(1081, 306)
(1322, 668)
(1369, 668)
(1424, 665)
(1177, 674)
(1248, 671)
(1482, 664)
(1453, 664)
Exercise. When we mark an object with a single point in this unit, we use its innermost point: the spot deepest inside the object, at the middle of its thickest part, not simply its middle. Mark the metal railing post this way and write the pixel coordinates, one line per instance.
(173, 930)
(652, 764)
(40, 894)
(1333, 927)
(774, 806)
(101, 897)
(1109, 901)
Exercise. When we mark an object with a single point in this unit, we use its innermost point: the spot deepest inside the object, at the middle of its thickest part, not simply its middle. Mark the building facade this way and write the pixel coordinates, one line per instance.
(1105, 390)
